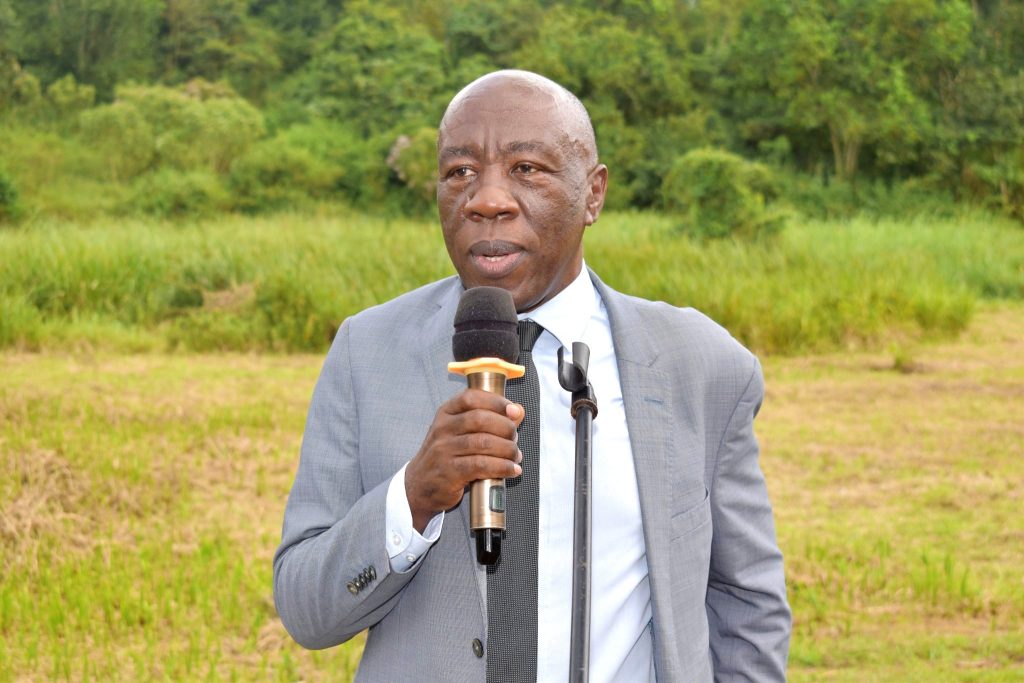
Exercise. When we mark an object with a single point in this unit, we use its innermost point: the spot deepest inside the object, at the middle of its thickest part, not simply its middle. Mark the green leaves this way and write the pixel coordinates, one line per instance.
(717, 194)
(862, 92)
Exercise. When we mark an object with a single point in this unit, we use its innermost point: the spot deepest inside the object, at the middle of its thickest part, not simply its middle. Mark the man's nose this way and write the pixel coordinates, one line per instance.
(492, 199)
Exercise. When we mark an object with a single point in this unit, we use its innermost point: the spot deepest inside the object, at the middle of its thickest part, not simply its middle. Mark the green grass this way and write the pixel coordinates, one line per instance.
(286, 282)
(141, 499)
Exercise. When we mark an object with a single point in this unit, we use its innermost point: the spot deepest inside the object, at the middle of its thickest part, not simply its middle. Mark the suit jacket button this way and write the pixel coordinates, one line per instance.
(352, 588)
(478, 648)
(373, 573)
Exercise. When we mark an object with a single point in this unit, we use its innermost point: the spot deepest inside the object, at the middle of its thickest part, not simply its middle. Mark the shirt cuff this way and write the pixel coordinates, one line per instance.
(405, 545)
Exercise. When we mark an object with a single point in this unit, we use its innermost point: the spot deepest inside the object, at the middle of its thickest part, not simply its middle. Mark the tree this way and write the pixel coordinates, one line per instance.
(861, 73)
(376, 71)
(100, 42)
(296, 26)
(216, 39)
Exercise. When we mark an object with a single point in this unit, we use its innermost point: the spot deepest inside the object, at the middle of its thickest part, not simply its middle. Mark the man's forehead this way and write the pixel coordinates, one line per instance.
(523, 107)
(507, 106)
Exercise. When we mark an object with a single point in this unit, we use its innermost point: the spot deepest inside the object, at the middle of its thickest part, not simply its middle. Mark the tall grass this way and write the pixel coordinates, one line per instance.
(286, 282)
(822, 284)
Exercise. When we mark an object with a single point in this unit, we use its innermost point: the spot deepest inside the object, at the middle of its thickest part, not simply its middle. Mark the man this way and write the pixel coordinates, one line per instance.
(687, 577)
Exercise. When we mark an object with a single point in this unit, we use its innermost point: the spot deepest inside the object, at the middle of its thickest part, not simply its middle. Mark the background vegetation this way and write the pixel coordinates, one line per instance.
(838, 182)
(191, 107)
(285, 283)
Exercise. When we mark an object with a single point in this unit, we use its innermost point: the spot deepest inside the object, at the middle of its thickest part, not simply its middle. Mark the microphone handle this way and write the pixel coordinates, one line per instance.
(487, 496)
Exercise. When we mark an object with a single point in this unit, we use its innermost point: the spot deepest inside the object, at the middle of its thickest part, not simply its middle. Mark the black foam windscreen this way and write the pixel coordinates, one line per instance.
(486, 325)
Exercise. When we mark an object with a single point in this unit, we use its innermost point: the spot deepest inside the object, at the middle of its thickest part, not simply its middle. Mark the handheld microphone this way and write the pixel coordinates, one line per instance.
(486, 346)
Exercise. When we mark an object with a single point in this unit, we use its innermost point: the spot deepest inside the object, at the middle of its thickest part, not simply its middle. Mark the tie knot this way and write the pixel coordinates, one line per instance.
(528, 333)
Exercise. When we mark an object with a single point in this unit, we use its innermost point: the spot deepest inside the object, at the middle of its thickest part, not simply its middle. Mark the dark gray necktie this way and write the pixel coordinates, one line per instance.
(512, 582)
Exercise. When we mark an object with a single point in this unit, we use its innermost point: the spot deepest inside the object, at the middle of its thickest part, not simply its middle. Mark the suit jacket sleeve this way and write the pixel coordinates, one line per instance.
(748, 616)
(334, 530)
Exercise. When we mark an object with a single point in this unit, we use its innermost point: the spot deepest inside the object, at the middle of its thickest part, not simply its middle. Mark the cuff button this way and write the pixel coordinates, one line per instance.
(478, 648)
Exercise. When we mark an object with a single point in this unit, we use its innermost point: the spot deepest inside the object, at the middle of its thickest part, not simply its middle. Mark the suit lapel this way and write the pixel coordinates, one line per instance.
(649, 417)
(437, 338)
(443, 385)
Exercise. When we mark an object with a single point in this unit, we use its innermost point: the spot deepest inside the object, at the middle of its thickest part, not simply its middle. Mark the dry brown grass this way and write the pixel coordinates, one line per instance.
(141, 500)
(898, 503)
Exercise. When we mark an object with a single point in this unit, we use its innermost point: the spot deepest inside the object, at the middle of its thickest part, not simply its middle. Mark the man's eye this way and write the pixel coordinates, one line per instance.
(525, 168)
(461, 172)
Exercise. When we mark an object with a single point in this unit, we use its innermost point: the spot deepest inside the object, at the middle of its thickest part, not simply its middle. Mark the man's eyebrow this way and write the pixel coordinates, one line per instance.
(519, 146)
(450, 152)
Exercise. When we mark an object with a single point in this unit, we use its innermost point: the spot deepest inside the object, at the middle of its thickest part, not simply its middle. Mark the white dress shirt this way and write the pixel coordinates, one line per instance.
(621, 643)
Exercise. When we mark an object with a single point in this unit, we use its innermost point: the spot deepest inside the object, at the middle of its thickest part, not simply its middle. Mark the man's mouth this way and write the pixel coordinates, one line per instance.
(495, 259)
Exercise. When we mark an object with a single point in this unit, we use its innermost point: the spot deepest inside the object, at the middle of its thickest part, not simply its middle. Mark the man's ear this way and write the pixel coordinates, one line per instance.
(597, 187)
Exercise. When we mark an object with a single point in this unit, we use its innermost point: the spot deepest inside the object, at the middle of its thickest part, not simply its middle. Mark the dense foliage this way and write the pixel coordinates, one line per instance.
(179, 107)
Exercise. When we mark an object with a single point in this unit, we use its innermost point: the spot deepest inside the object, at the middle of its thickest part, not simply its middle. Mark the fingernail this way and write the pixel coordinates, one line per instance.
(519, 456)
(517, 469)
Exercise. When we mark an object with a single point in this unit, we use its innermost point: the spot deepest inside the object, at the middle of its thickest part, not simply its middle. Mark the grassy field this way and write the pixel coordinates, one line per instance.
(142, 495)
(285, 283)
(898, 485)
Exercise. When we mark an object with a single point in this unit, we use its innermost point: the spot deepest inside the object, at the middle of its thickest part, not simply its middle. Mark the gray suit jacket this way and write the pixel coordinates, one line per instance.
(691, 393)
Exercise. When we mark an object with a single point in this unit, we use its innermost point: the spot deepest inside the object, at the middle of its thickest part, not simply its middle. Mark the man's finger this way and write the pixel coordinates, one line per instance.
(484, 421)
(476, 467)
(485, 444)
(475, 399)
(515, 412)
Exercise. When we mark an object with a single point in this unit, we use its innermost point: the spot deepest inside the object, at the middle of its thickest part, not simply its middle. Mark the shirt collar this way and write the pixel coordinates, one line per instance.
(567, 314)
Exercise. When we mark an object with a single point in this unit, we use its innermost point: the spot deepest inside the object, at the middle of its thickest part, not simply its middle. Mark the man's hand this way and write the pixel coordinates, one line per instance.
(473, 437)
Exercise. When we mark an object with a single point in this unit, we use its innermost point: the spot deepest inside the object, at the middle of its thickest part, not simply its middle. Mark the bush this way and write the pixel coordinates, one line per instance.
(122, 136)
(357, 164)
(18, 88)
(67, 96)
(718, 194)
(201, 125)
(174, 194)
(10, 210)
(274, 175)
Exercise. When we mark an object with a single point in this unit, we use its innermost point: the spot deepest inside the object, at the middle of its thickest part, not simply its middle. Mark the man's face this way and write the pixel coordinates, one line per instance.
(514, 193)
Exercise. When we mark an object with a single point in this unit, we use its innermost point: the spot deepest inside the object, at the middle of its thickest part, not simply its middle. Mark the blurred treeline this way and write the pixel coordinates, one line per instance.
(190, 107)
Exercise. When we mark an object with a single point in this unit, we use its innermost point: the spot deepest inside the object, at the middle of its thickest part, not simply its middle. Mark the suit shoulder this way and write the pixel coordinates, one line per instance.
(688, 338)
(690, 324)
(405, 311)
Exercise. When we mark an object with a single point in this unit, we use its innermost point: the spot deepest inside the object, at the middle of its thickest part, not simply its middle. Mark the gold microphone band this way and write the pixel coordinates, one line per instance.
(496, 365)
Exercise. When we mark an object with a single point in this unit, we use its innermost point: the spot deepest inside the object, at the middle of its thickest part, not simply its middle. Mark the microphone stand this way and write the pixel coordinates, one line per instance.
(573, 378)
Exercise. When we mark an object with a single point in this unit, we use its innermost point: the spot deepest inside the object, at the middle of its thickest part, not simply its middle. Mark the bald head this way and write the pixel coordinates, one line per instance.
(511, 91)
